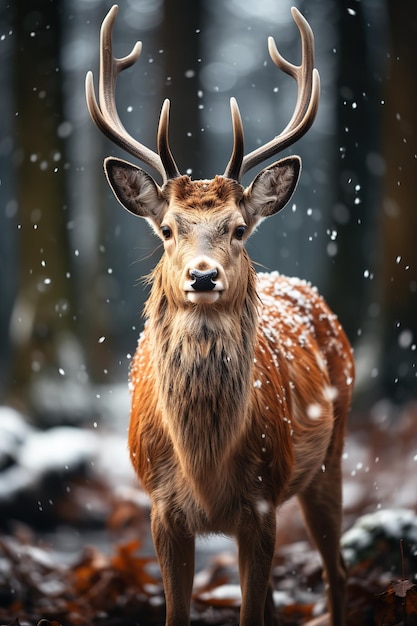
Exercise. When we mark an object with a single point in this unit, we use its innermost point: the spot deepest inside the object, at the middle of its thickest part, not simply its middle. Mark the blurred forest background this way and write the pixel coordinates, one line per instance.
(70, 259)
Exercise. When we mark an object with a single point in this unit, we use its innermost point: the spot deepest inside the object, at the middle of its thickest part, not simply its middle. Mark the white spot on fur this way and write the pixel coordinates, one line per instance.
(330, 393)
(321, 362)
(262, 507)
(314, 411)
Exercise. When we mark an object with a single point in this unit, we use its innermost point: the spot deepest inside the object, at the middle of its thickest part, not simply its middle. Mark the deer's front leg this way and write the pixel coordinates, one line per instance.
(256, 542)
(175, 551)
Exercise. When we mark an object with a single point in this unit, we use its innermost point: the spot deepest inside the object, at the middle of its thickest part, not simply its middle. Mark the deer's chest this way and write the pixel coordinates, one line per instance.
(216, 503)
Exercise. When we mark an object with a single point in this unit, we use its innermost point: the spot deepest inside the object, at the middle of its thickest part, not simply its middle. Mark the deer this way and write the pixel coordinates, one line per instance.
(241, 382)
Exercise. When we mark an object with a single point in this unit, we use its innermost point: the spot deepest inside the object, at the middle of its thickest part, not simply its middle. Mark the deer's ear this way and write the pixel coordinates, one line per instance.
(135, 189)
(272, 188)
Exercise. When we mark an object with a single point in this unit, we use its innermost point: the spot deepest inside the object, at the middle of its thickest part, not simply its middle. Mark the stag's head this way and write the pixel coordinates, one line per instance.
(203, 224)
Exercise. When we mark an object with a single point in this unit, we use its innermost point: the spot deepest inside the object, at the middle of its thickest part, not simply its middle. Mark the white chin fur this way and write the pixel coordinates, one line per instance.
(203, 297)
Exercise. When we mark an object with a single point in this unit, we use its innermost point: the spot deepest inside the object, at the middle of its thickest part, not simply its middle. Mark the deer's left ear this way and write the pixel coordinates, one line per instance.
(272, 188)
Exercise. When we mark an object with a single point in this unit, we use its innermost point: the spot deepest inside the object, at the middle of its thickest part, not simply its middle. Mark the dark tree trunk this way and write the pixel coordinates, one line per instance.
(43, 312)
(181, 44)
(398, 275)
(354, 201)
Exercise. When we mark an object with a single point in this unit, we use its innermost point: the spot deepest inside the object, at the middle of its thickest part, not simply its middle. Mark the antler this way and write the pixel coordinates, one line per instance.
(105, 115)
(308, 82)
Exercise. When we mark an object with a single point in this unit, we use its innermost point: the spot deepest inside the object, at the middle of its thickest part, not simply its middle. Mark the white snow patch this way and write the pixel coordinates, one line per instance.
(231, 593)
(57, 448)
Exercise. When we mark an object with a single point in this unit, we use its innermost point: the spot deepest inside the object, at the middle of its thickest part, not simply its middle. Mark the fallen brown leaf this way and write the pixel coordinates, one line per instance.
(397, 605)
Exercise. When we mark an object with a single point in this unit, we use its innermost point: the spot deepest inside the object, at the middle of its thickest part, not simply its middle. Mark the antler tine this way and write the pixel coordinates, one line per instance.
(165, 153)
(235, 163)
(105, 114)
(303, 73)
(289, 136)
(308, 81)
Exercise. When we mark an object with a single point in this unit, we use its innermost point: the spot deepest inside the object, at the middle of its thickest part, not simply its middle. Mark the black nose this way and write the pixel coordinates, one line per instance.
(203, 281)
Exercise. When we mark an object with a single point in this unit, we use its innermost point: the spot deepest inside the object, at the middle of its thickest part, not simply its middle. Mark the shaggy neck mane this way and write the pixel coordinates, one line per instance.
(203, 361)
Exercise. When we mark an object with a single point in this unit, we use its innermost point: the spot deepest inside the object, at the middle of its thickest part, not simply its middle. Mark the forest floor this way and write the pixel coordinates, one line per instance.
(75, 546)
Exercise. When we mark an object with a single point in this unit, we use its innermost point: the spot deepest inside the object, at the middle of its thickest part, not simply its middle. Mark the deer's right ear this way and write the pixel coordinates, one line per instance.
(135, 189)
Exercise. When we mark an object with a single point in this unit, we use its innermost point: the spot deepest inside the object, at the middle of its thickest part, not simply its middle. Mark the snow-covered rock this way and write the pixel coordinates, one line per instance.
(371, 531)
(13, 432)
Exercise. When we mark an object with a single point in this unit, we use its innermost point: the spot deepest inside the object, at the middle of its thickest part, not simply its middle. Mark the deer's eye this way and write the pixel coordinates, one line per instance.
(166, 232)
(240, 231)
